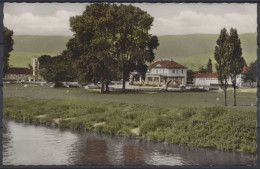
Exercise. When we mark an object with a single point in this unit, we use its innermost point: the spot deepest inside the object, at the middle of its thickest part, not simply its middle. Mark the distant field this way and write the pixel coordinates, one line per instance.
(26, 46)
(191, 51)
(22, 59)
(194, 62)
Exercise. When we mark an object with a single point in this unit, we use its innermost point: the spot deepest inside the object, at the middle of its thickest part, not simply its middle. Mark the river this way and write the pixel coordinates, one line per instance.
(25, 144)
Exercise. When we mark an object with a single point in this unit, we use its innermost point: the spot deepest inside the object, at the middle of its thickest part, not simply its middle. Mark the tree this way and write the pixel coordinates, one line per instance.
(237, 62)
(222, 57)
(250, 75)
(111, 38)
(56, 69)
(190, 74)
(8, 47)
(209, 66)
(203, 70)
(92, 48)
(134, 45)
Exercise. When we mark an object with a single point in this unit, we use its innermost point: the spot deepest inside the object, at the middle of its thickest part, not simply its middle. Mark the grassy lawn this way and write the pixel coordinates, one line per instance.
(185, 99)
(197, 118)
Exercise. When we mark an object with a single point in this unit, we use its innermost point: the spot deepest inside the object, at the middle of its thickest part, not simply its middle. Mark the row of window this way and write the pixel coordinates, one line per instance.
(208, 78)
(177, 71)
(162, 71)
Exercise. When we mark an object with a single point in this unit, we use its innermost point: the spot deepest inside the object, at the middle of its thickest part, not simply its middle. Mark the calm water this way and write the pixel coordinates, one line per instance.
(26, 144)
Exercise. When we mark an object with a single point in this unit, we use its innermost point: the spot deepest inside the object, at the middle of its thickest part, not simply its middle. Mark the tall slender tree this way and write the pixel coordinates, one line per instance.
(209, 66)
(237, 62)
(222, 57)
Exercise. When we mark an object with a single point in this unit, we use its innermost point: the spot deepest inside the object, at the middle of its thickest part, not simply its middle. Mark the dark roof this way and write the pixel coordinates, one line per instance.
(166, 64)
(19, 70)
(206, 75)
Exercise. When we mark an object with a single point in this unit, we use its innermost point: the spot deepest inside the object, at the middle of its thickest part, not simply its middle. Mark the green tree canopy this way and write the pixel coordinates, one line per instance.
(111, 38)
(209, 66)
(8, 47)
(56, 69)
(222, 57)
(251, 75)
(237, 61)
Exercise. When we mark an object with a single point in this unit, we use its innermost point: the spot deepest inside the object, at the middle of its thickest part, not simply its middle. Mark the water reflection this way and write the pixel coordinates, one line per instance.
(25, 144)
(95, 153)
(134, 155)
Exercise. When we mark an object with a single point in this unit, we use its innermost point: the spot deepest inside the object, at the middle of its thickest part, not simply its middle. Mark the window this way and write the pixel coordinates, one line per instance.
(173, 70)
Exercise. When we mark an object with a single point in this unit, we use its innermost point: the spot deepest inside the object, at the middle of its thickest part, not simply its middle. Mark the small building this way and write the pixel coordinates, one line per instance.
(18, 74)
(166, 72)
(205, 79)
(209, 79)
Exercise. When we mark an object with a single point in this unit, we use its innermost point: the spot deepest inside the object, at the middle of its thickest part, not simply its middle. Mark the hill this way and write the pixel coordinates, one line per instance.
(190, 50)
(26, 46)
(194, 50)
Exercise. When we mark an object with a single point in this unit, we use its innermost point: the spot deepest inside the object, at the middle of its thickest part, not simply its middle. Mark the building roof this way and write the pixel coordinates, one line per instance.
(166, 64)
(206, 75)
(19, 70)
(245, 69)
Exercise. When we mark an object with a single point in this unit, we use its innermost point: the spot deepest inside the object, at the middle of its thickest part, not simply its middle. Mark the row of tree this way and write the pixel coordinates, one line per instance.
(229, 59)
(109, 42)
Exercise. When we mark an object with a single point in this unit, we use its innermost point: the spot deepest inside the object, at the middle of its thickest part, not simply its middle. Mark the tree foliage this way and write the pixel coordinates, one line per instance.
(228, 55)
(207, 69)
(202, 69)
(237, 61)
(251, 75)
(109, 39)
(190, 76)
(222, 57)
(8, 47)
(209, 66)
(56, 69)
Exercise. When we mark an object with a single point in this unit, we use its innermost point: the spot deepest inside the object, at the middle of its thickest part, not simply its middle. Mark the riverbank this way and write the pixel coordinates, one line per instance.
(212, 127)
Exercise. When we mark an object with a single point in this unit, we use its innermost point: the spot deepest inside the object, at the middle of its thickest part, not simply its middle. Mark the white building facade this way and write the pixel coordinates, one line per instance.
(209, 79)
(166, 71)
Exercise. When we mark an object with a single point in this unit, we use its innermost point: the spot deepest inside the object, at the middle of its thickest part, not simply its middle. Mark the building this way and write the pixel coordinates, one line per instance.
(205, 79)
(209, 79)
(36, 68)
(18, 74)
(166, 72)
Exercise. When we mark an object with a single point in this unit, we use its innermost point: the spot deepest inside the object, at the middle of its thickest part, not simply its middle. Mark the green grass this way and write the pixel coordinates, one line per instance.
(212, 127)
(192, 118)
(186, 99)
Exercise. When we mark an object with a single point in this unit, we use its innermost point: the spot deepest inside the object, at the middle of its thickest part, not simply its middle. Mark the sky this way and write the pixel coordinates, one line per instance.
(169, 19)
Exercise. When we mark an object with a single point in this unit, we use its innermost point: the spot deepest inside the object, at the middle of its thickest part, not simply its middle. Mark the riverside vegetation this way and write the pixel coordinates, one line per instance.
(223, 128)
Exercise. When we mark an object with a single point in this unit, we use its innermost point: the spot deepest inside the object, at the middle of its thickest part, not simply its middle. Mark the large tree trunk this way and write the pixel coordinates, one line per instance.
(123, 83)
(107, 88)
(102, 88)
(225, 90)
(235, 98)
(123, 78)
